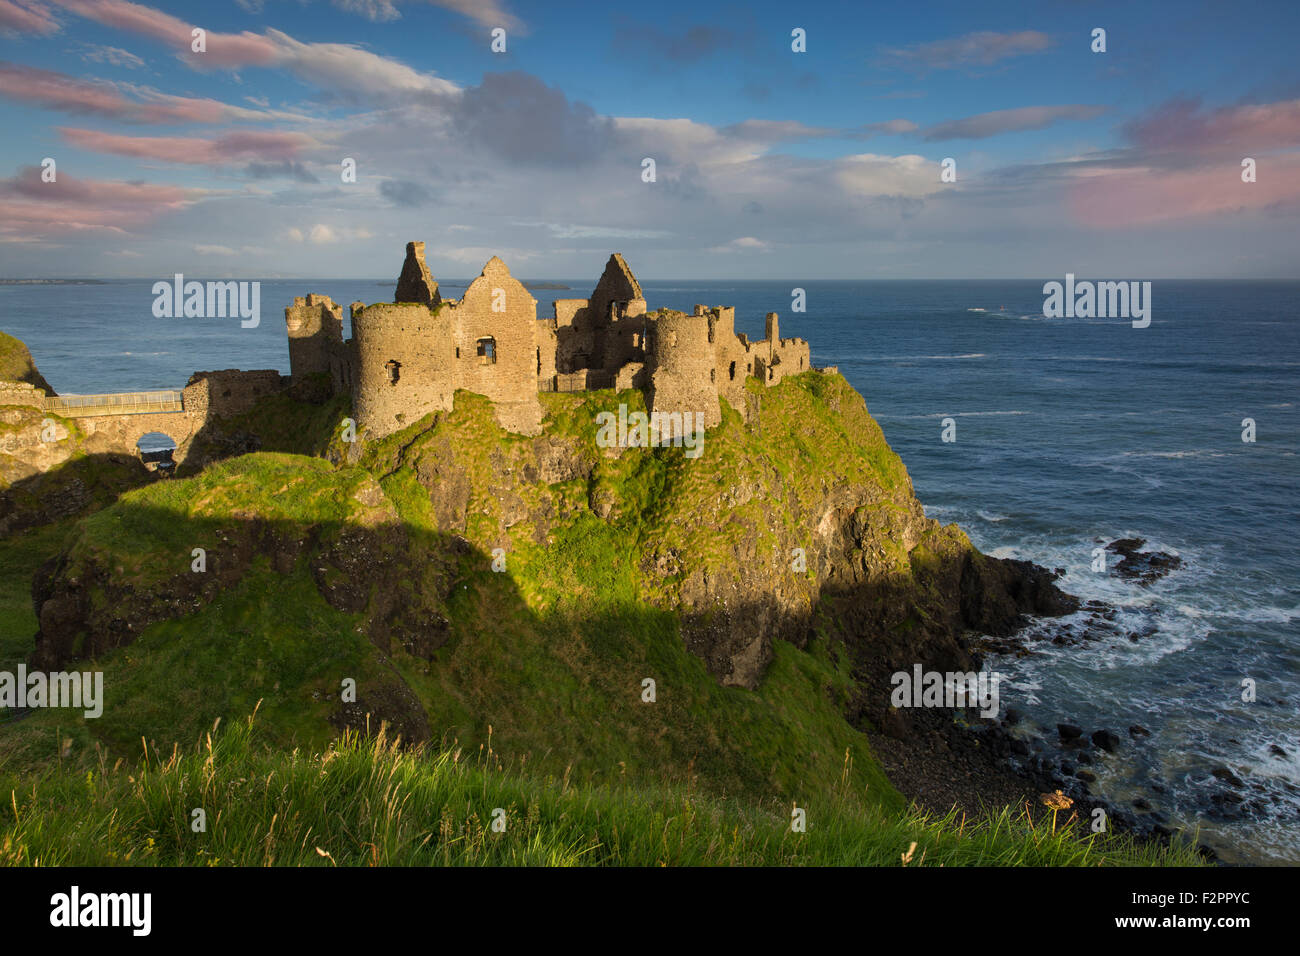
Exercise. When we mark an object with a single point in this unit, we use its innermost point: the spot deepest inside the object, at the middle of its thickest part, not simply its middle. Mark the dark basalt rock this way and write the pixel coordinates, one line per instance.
(1107, 740)
(1227, 776)
(1142, 566)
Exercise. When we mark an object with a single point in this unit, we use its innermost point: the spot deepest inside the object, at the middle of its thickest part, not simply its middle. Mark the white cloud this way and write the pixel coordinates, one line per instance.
(869, 174)
(743, 244)
(347, 69)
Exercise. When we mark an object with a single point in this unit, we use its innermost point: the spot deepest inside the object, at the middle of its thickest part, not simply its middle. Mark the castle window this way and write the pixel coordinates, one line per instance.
(713, 375)
(487, 351)
(394, 371)
(732, 371)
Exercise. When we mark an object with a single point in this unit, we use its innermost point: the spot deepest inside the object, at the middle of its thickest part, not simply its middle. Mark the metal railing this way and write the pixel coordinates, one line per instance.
(120, 403)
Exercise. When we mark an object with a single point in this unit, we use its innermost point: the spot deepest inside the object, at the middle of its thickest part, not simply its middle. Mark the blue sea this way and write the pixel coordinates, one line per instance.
(1070, 433)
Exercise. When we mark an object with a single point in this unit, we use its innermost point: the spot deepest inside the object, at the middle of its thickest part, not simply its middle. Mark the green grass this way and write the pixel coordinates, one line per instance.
(544, 663)
(16, 364)
(365, 802)
(20, 555)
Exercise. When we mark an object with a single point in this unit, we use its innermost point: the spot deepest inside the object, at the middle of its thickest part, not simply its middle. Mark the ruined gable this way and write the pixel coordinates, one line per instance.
(617, 287)
(415, 284)
(497, 342)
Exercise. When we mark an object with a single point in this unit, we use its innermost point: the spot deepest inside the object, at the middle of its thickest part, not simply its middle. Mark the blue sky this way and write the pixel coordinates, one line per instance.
(769, 163)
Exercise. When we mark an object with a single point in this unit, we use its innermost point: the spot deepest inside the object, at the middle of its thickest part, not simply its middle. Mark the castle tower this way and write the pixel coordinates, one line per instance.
(772, 331)
(681, 362)
(315, 327)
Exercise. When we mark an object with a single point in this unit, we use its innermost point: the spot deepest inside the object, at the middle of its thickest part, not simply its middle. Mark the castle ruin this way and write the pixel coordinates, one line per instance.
(407, 358)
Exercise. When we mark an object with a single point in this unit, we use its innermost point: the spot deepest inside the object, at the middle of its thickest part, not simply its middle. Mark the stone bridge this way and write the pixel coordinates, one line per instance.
(39, 423)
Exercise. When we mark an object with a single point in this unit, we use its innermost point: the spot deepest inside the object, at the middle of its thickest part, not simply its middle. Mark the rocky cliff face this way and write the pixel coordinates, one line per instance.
(799, 521)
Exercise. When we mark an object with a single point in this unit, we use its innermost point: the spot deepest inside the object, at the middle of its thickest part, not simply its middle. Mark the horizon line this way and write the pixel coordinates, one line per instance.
(154, 278)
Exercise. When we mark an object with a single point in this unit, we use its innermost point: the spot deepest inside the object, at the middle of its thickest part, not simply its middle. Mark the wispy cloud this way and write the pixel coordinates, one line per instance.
(983, 48)
(344, 69)
(1182, 124)
(683, 45)
(32, 207)
(985, 125)
(58, 91)
(486, 13)
(112, 55)
(218, 151)
(222, 49)
(26, 16)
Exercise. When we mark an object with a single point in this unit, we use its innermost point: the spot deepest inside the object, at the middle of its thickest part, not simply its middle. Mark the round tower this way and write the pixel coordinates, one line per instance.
(404, 354)
(681, 363)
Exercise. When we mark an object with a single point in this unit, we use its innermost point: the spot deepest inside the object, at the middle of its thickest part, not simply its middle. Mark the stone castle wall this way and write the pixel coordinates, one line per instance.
(409, 357)
(315, 327)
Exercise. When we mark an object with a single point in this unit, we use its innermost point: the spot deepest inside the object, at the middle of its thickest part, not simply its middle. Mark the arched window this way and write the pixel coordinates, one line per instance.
(732, 371)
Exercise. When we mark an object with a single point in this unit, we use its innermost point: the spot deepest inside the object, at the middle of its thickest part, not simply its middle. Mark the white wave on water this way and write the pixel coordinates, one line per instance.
(1262, 615)
(951, 414)
(1193, 453)
(1155, 658)
(914, 358)
(995, 518)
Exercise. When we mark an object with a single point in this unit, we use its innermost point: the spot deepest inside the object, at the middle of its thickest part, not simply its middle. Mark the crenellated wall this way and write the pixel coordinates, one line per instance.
(315, 327)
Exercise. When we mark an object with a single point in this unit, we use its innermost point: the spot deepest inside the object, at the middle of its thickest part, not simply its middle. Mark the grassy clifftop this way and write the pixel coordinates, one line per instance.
(642, 626)
(16, 364)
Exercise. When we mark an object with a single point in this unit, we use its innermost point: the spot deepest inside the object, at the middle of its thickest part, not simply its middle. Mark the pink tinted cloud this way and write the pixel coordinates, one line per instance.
(28, 84)
(219, 151)
(24, 16)
(337, 66)
(223, 49)
(1122, 198)
(31, 208)
(1186, 164)
(1182, 125)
